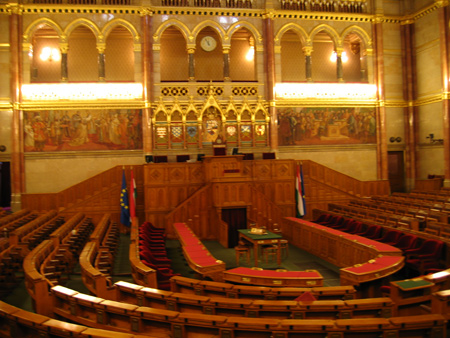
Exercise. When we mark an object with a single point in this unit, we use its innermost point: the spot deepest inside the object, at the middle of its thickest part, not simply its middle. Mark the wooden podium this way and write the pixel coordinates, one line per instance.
(220, 167)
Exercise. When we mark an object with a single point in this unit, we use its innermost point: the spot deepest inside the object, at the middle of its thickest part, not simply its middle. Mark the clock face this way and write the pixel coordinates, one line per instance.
(208, 43)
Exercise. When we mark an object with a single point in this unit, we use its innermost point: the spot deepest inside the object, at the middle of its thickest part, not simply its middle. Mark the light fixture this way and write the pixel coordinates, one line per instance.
(50, 54)
(251, 51)
(333, 57)
(81, 91)
(347, 91)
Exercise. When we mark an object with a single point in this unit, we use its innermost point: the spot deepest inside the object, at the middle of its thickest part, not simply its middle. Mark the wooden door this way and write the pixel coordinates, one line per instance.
(236, 219)
(396, 171)
(5, 185)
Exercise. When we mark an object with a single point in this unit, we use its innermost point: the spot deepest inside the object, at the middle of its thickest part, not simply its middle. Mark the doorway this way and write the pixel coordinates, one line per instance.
(236, 219)
(5, 185)
(396, 171)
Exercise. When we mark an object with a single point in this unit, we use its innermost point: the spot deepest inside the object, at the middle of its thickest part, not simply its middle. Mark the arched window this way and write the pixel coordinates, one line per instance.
(292, 58)
(242, 56)
(119, 55)
(82, 56)
(173, 56)
(46, 56)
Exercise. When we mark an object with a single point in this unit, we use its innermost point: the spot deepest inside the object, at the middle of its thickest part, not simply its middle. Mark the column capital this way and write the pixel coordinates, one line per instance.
(64, 47)
(307, 50)
(101, 46)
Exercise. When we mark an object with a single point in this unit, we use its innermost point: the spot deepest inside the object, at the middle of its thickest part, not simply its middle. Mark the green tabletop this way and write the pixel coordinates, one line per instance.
(412, 284)
(267, 235)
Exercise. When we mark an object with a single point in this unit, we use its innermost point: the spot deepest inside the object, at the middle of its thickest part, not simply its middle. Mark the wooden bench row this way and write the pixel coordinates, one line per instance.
(237, 291)
(424, 215)
(7, 219)
(282, 309)
(97, 282)
(128, 318)
(415, 202)
(142, 274)
(17, 235)
(378, 216)
(15, 322)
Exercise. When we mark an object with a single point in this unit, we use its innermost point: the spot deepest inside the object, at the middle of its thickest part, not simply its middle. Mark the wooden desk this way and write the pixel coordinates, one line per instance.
(273, 278)
(258, 240)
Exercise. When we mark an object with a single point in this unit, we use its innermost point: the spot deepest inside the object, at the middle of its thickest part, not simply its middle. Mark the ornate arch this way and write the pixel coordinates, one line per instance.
(172, 22)
(360, 32)
(303, 35)
(88, 23)
(246, 25)
(36, 25)
(109, 27)
(214, 25)
(331, 32)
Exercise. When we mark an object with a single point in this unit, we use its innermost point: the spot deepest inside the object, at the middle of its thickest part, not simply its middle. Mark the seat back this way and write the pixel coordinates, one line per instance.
(432, 247)
(407, 242)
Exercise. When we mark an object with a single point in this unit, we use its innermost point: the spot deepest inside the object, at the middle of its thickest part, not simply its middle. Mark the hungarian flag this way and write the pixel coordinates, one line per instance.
(124, 205)
(132, 196)
(299, 193)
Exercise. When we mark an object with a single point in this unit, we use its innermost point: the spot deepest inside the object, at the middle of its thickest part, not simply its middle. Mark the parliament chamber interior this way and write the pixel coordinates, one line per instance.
(224, 168)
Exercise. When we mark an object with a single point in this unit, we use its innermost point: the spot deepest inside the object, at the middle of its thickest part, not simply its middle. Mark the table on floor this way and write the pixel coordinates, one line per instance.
(268, 238)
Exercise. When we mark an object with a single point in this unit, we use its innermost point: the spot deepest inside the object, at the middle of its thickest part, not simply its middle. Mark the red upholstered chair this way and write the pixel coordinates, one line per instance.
(150, 228)
(337, 222)
(373, 231)
(183, 158)
(332, 220)
(342, 225)
(322, 218)
(424, 257)
(268, 156)
(354, 228)
(390, 237)
(160, 159)
(407, 242)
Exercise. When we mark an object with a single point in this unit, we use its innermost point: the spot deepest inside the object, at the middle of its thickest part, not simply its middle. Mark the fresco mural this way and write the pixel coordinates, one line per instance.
(306, 126)
(76, 130)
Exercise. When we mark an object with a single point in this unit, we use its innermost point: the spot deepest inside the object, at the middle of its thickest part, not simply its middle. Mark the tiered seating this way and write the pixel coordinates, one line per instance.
(8, 220)
(80, 233)
(30, 233)
(228, 290)
(152, 251)
(140, 319)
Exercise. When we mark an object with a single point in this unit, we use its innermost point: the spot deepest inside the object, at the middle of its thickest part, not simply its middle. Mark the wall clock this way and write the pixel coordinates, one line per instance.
(208, 43)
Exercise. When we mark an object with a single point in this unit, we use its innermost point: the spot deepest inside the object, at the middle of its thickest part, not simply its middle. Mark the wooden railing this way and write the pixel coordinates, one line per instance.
(194, 211)
(265, 212)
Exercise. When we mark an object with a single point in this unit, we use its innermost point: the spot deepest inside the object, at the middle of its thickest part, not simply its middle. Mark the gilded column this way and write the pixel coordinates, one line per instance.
(191, 52)
(339, 70)
(15, 69)
(269, 64)
(147, 94)
(409, 95)
(101, 61)
(226, 63)
(308, 68)
(64, 47)
(444, 16)
(382, 170)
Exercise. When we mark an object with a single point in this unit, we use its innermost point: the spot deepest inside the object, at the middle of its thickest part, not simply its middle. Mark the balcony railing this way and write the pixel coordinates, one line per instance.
(336, 6)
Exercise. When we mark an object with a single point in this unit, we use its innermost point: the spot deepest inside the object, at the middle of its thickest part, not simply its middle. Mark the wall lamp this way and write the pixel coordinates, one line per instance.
(395, 139)
(435, 140)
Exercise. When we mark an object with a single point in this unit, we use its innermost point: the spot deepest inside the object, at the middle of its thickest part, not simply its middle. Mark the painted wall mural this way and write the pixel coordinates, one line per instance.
(309, 126)
(82, 130)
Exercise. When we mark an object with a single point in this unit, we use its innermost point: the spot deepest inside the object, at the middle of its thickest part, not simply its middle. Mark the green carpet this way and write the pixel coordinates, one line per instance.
(297, 260)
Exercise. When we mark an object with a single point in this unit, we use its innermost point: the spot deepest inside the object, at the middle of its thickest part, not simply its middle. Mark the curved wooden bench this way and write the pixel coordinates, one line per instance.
(209, 288)
(103, 314)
